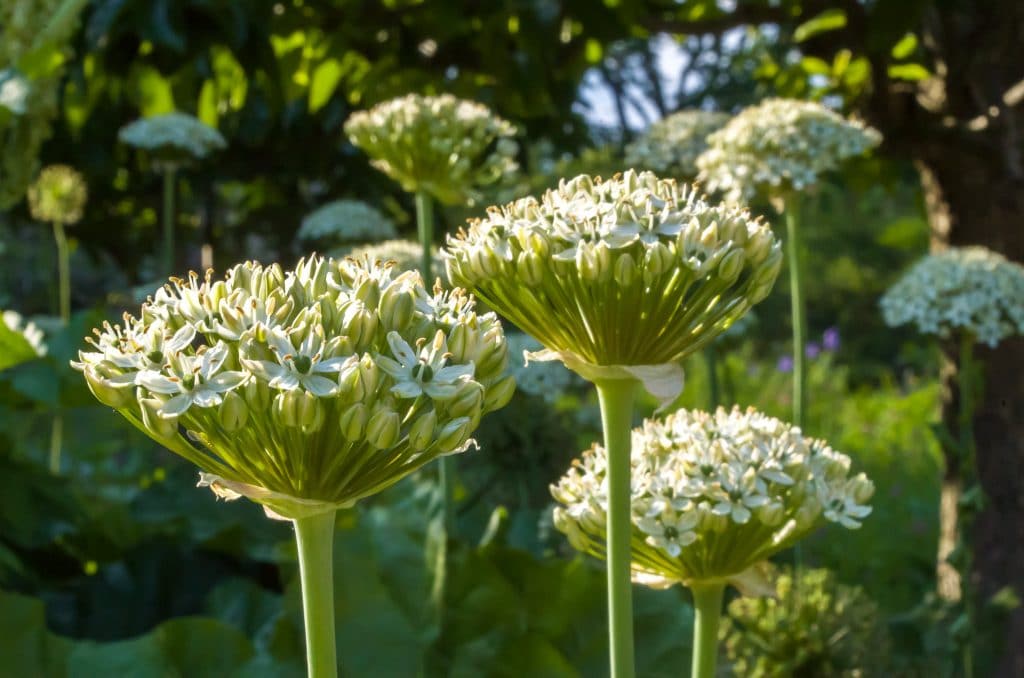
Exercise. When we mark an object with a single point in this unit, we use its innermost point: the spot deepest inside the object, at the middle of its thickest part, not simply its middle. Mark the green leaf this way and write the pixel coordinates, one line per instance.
(15, 349)
(207, 108)
(153, 91)
(909, 72)
(905, 47)
(326, 77)
(829, 20)
(815, 66)
(857, 72)
(27, 647)
(593, 51)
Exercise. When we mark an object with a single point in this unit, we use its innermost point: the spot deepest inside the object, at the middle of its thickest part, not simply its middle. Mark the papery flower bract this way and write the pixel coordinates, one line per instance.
(670, 146)
(172, 138)
(634, 271)
(778, 146)
(280, 385)
(344, 221)
(713, 495)
(445, 146)
(970, 289)
(58, 195)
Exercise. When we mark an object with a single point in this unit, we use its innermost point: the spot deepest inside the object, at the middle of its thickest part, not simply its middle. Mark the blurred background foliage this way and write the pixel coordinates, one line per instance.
(120, 566)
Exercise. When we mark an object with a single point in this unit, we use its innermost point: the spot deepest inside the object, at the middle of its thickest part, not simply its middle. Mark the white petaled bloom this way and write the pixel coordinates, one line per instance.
(58, 195)
(634, 271)
(346, 221)
(301, 389)
(671, 145)
(780, 146)
(445, 146)
(547, 380)
(173, 139)
(407, 255)
(969, 289)
(713, 495)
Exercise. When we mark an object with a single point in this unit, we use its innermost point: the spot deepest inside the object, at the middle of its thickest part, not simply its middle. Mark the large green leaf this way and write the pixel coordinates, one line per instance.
(26, 647)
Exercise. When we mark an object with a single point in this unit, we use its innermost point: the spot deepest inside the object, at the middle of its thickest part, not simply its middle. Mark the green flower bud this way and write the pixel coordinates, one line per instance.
(160, 427)
(730, 266)
(454, 434)
(658, 259)
(353, 422)
(286, 409)
(257, 395)
(467, 401)
(368, 292)
(369, 374)
(862, 488)
(494, 357)
(310, 412)
(462, 343)
(499, 394)
(396, 308)
(233, 412)
(625, 270)
(421, 435)
(115, 396)
(530, 267)
(709, 236)
(383, 428)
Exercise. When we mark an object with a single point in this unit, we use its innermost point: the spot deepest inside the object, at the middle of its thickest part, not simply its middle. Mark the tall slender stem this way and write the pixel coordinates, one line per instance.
(966, 383)
(616, 399)
(168, 221)
(425, 229)
(797, 309)
(315, 538)
(63, 271)
(711, 360)
(707, 603)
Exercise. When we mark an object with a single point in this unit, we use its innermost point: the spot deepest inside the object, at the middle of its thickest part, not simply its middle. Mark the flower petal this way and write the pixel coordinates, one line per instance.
(175, 406)
(157, 383)
(322, 387)
(401, 350)
(181, 339)
(225, 381)
(407, 389)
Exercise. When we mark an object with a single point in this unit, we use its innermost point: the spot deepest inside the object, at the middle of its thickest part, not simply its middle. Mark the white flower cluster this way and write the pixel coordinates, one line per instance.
(346, 221)
(778, 146)
(969, 289)
(323, 384)
(547, 380)
(58, 195)
(173, 138)
(636, 270)
(14, 322)
(405, 253)
(445, 146)
(671, 146)
(713, 494)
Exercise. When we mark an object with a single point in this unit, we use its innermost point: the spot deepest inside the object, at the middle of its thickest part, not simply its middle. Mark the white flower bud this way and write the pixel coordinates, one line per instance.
(161, 427)
(233, 412)
(382, 429)
(396, 308)
(530, 267)
(353, 422)
(625, 270)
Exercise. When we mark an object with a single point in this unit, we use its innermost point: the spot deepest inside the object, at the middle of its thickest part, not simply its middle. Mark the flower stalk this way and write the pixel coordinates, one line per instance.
(167, 254)
(314, 536)
(798, 310)
(616, 399)
(707, 605)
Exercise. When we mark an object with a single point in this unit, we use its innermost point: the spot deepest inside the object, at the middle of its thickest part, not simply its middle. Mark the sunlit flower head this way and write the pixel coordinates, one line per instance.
(58, 195)
(346, 221)
(634, 271)
(445, 146)
(779, 146)
(407, 254)
(713, 495)
(303, 389)
(671, 146)
(172, 138)
(969, 289)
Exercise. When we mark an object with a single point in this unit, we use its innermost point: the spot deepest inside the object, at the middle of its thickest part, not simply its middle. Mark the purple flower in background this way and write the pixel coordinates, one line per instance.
(830, 339)
(785, 364)
(812, 350)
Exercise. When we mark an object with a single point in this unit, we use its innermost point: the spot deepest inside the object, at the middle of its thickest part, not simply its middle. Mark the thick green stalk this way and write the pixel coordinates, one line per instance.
(167, 254)
(425, 229)
(616, 398)
(315, 538)
(711, 360)
(707, 604)
(797, 310)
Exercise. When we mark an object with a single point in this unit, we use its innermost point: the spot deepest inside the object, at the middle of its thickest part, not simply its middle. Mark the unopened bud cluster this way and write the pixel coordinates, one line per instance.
(671, 146)
(346, 221)
(969, 289)
(172, 139)
(636, 270)
(779, 146)
(319, 386)
(445, 146)
(713, 494)
(58, 195)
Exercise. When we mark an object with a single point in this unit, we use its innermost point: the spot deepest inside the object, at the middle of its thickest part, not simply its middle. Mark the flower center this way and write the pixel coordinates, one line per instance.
(302, 364)
(189, 381)
(422, 372)
(155, 357)
(671, 533)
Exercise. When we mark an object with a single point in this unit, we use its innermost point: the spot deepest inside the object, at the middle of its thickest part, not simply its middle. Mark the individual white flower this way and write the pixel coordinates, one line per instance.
(192, 380)
(425, 372)
(713, 495)
(779, 146)
(969, 289)
(671, 145)
(301, 366)
(407, 255)
(346, 221)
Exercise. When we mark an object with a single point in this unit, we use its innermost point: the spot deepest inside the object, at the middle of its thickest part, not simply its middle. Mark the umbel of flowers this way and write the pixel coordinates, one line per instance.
(712, 497)
(671, 146)
(346, 221)
(304, 390)
(404, 253)
(171, 141)
(776, 150)
(619, 280)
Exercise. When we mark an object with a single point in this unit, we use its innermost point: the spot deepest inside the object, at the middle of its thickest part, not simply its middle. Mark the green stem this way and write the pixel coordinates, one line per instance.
(315, 538)
(425, 229)
(63, 271)
(798, 311)
(56, 442)
(966, 383)
(168, 219)
(711, 360)
(616, 399)
(707, 604)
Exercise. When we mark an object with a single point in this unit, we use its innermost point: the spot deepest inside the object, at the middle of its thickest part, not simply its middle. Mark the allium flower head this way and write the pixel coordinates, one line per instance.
(968, 289)
(307, 389)
(547, 380)
(445, 146)
(173, 138)
(615, 276)
(406, 254)
(713, 495)
(778, 146)
(671, 145)
(346, 221)
(58, 195)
